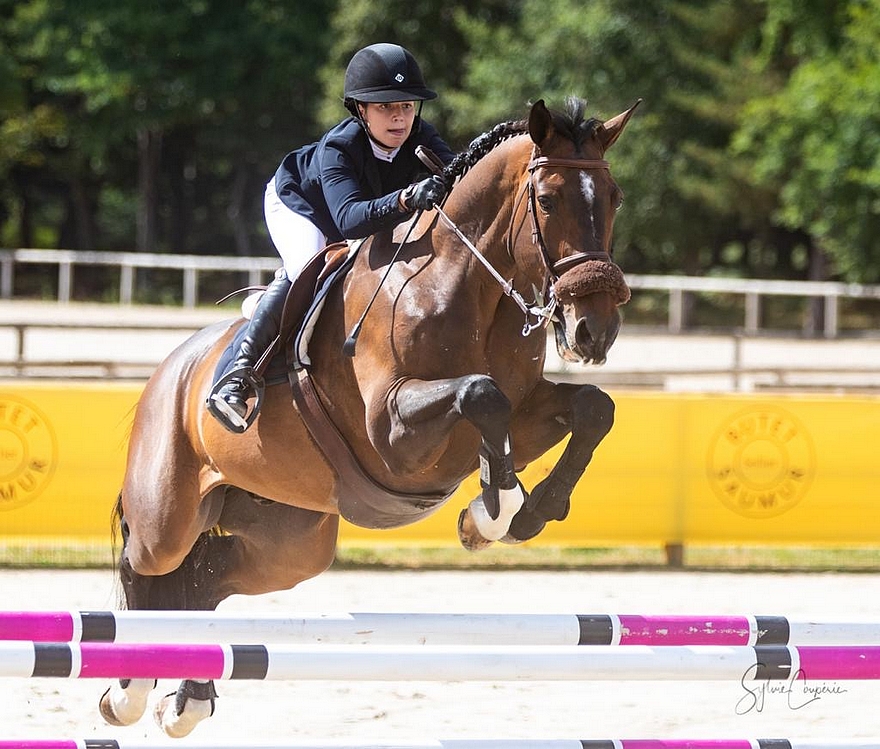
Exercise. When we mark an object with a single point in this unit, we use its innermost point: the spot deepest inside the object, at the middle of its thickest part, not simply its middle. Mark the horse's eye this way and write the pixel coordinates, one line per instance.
(546, 203)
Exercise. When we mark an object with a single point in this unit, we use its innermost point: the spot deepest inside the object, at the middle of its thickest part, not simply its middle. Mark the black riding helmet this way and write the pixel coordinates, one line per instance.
(384, 73)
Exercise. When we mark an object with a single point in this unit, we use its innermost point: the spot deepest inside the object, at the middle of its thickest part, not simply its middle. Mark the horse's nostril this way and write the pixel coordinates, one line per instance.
(584, 339)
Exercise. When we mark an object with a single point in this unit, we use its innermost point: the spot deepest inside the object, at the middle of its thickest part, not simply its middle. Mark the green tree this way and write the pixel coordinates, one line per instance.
(816, 145)
(186, 105)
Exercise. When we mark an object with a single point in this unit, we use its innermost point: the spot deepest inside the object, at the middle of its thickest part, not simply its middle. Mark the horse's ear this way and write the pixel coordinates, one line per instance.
(540, 122)
(611, 130)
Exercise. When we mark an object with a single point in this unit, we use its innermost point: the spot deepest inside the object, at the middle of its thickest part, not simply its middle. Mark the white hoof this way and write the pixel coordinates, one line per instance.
(177, 726)
(124, 707)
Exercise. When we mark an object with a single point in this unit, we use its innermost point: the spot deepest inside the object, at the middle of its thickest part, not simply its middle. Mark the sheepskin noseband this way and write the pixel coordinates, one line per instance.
(591, 277)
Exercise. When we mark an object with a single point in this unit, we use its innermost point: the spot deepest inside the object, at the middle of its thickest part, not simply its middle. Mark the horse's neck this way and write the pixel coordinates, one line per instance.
(485, 199)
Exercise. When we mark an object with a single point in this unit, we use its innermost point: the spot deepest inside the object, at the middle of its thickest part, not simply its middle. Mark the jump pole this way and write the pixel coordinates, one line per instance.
(478, 744)
(438, 663)
(427, 629)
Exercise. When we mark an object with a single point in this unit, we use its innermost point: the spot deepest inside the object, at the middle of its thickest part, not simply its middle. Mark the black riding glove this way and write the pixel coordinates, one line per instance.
(424, 195)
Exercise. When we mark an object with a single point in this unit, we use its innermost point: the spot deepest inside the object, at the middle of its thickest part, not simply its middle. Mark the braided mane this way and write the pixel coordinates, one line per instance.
(480, 146)
(569, 123)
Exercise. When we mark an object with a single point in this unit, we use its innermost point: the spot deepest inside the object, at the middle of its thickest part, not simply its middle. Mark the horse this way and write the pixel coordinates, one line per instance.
(447, 378)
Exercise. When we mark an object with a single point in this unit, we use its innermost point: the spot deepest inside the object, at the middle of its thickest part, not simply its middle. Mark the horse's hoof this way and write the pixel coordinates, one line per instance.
(179, 725)
(524, 526)
(471, 539)
(124, 706)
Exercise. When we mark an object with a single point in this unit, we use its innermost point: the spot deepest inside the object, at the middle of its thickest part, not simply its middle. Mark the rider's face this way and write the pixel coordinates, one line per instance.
(390, 123)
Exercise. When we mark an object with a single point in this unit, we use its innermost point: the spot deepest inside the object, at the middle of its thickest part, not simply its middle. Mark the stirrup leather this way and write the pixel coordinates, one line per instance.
(223, 412)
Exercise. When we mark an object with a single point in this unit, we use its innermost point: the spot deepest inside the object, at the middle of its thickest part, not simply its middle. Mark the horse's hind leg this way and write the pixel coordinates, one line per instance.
(126, 700)
(269, 547)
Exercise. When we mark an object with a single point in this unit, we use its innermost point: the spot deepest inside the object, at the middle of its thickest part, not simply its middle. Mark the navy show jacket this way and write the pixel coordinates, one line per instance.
(341, 187)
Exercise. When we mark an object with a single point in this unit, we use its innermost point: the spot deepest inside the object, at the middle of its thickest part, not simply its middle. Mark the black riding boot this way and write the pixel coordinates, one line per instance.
(228, 399)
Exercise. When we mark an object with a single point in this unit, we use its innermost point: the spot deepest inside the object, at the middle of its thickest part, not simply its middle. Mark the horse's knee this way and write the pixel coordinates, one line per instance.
(593, 410)
(481, 401)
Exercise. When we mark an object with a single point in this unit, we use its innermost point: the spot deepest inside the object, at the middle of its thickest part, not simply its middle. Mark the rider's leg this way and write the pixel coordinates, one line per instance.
(296, 239)
(230, 402)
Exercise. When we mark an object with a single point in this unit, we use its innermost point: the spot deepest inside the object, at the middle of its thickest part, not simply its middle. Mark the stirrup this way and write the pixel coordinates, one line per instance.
(223, 412)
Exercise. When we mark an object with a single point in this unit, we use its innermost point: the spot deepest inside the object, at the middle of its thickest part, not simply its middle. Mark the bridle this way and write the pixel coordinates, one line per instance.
(542, 313)
(554, 269)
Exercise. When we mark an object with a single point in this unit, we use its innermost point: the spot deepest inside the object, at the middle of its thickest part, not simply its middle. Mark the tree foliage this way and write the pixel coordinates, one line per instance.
(755, 151)
(816, 145)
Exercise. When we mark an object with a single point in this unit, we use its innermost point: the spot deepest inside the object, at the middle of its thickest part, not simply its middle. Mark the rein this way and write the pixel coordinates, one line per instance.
(542, 314)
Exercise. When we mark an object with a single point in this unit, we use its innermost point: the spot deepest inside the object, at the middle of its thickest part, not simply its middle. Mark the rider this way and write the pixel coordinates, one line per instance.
(359, 178)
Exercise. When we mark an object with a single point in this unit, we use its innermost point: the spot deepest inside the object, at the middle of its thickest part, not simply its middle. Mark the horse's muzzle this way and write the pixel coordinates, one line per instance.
(586, 338)
(589, 295)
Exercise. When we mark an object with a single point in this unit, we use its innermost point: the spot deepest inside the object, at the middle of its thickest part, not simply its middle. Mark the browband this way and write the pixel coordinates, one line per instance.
(573, 163)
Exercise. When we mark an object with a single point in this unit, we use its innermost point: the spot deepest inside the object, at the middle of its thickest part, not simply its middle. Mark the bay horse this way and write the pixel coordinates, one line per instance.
(447, 378)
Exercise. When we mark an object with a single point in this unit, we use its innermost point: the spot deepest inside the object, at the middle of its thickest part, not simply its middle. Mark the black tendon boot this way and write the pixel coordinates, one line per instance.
(227, 401)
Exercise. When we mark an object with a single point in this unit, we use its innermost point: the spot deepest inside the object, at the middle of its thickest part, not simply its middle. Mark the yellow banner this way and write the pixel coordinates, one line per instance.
(676, 468)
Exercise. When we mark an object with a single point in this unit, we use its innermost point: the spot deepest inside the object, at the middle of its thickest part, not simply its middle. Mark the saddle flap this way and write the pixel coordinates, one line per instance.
(306, 284)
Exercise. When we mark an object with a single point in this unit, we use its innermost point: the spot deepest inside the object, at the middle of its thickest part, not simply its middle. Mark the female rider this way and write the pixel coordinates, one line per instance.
(358, 179)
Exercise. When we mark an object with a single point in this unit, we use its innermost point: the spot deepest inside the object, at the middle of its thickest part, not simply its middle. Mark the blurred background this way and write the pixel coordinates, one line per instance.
(154, 126)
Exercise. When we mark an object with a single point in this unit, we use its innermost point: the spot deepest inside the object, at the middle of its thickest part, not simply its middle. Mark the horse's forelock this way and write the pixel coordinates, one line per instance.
(572, 123)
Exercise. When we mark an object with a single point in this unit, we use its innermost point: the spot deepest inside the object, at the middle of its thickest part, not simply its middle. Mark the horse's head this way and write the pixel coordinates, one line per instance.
(573, 200)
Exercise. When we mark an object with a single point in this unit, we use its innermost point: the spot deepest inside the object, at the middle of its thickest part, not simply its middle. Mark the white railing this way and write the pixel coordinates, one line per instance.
(753, 289)
(257, 268)
(128, 263)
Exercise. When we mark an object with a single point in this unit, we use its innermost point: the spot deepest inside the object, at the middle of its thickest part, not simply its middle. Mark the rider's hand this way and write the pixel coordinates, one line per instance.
(423, 195)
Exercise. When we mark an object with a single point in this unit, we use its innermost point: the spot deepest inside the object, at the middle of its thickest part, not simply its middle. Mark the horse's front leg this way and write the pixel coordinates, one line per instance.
(545, 418)
(422, 415)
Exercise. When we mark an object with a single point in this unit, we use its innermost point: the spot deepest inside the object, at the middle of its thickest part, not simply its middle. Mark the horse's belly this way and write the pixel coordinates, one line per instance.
(375, 507)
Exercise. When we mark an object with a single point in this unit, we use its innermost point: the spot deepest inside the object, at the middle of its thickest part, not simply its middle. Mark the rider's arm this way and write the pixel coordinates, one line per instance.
(355, 214)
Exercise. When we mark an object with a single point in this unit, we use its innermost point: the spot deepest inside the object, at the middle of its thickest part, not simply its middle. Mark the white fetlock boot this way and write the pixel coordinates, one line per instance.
(476, 528)
(124, 705)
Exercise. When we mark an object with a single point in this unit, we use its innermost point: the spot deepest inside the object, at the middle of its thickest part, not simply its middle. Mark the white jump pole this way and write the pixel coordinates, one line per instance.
(437, 663)
(428, 629)
(472, 744)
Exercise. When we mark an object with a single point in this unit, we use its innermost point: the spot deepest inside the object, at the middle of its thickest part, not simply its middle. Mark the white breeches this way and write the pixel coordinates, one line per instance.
(294, 236)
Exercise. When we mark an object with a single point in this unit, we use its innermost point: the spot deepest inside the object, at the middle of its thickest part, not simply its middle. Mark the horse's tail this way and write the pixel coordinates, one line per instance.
(117, 546)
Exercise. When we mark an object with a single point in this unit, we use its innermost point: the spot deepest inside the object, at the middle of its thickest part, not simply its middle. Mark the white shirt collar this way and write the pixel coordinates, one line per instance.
(381, 154)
